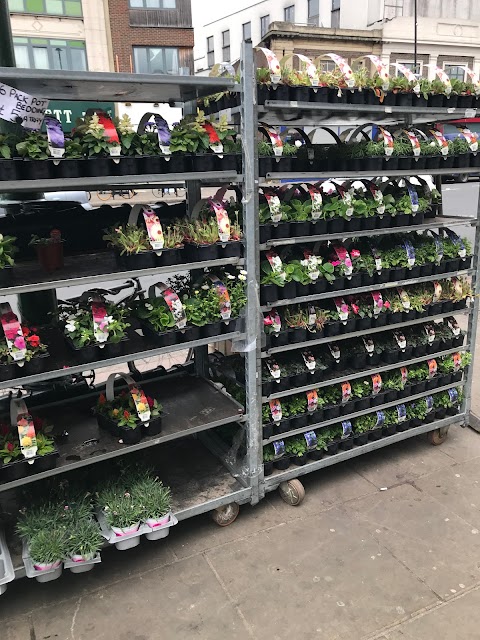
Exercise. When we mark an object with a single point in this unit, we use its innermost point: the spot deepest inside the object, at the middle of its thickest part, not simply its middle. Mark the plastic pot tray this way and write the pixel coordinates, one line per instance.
(41, 576)
(7, 574)
(130, 540)
(82, 567)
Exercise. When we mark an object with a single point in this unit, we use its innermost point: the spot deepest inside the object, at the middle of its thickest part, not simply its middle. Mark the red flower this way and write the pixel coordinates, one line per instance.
(102, 399)
(267, 321)
(34, 329)
(355, 253)
(10, 446)
(38, 423)
(386, 304)
(25, 331)
(126, 415)
(150, 401)
(33, 341)
(355, 308)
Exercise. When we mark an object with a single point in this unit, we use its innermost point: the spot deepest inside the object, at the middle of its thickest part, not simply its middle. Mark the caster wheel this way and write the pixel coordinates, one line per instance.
(292, 492)
(224, 516)
(438, 436)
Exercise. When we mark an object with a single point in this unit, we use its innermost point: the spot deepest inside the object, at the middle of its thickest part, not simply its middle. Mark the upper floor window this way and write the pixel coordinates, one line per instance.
(210, 52)
(289, 13)
(48, 7)
(247, 31)
(152, 4)
(393, 8)
(226, 46)
(264, 24)
(44, 53)
(335, 14)
(411, 65)
(327, 66)
(156, 60)
(313, 12)
(454, 71)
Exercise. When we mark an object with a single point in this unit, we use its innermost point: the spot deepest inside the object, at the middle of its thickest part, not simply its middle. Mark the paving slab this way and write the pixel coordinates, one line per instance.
(423, 534)
(402, 462)
(183, 600)
(462, 444)
(324, 577)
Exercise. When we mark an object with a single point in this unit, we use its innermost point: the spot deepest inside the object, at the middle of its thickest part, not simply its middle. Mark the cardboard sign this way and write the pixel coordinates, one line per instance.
(311, 69)
(377, 302)
(457, 361)
(344, 68)
(214, 141)
(312, 263)
(414, 142)
(429, 402)
(470, 137)
(453, 395)
(458, 242)
(401, 341)
(342, 309)
(334, 351)
(273, 319)
(404, 374)
(405, 300)
(344, 257)
(409, 75)
(22, 108)
(412, 192)
(410, 253)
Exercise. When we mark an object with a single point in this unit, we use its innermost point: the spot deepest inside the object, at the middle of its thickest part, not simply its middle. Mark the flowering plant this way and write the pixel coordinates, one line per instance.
(157, 312)
(10, 446)
(7, 251)
(93, 139)
(78, 326)
(26, 338)
(123, 411)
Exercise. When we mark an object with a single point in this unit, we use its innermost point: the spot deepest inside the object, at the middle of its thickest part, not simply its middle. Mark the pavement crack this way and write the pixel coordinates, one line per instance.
(74, 618)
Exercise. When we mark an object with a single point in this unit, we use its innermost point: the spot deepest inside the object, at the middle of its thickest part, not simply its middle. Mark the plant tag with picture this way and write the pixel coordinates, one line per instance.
(312, 401)
(309, 360)
(310, 68)
(163, 134)
(412, 192)
(429, 403)
(401, 340)
(387, 141)
(154, 229)
(458, 242)
(175, 305)
(56, 138)
(377, 196)
(380, 419)
(437, 291)
(470, 137)
(13, 334)
(276, 264)
(369, 346)
(278, 449)
(273, 65)
(312, 316)
(346, 392)
(344, 257)
(453, 395)
(100, 322)
(223, 221)
(401, 412)
(344, 68)
(347, 199)
(276, 410)
(432, 368)
(334, 351)
(474, 79)
(441, 141)
(453, 324)
(275, 207)
(213, 140)
(27, 436)
(317, 202)
(404, 374)
(311, 263)
(346, 429)
(377, 302)
(409, 75)
(342, 308)
(111, 134)
(414, 142)
(404, 298)
(382, 71)
(410, 253)
(311, 440)
(438, 247)
(275, 140)
(376, 384)
(377, 258)
(141, 403)
(430, 331)
(223, 298)
(457, 286)
(274, 369)
(443, 76)
(457, 361)
(273, 319)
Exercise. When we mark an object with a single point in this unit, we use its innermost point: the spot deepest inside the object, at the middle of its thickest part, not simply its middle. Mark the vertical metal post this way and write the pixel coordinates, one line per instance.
(253, 316)
(415, 27)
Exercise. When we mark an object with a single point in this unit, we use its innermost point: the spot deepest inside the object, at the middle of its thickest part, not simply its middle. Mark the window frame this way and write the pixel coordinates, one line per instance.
(163, 49)
(226, 45)
(313, 19)
(449, 63)
(393, 4)
(51, 47)
(264, 24)
(145, 8)
(44, 12)
(210, 52)
(289, 9)
(409, 64)
(249, 37)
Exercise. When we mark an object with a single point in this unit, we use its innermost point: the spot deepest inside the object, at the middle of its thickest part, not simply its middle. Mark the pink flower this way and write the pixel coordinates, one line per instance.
(380, 304)
(355, 308)
(335, 263)
(344, 308)
(355, 253)
(386, 304)
(267, 321)
(19, 342)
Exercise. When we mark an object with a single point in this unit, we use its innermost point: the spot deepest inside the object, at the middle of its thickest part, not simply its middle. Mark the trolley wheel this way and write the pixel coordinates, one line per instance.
(292, 492)
(224, 516)
(438, 436)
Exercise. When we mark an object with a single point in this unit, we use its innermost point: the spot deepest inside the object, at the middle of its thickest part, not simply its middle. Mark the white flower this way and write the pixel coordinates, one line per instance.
(242, 277)
(243, 272)
(109, 319)
(205, 287)
(70, 327)
(148, 306)
(229, 276)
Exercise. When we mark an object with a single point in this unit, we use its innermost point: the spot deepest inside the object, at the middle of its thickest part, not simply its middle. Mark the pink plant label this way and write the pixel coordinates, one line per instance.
(369, 346)
(377, 196)
(278, 449)
(223, 221)
(344, 257)
(382, 71)
(404, 298)
(13, 335)
(437, 291)
(317, 201)
(432, 368)
(346, 391)
(309, 360)
(275, 321)
(457, 361)
(141, 403)
(276, 264)
(441, 141)
(273, 64)
(347, 199)
(401, 341)
(310, 440)
(275, 207)
(312, 400)
(430, 332)
(474, 78)
(310, 68)
(27, 436)
(404, 374)
(154, 229)
(401, 412)
(275, 139)
(276, 410)
(274, 369)
(311, 262)
(214, 141)
(445, 79)
(377, 302)
(342, 308)
(409, 75)
(223, 298)
(414, 142)
(376, 383)
(387, 141)
(175, 305)
(470, 137)
(334, 351)
(344, 67)
(457, 285)
(100, 322)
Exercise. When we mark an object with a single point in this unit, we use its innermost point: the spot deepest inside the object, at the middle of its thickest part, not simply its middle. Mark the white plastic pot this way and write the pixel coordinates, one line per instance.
(82, 564)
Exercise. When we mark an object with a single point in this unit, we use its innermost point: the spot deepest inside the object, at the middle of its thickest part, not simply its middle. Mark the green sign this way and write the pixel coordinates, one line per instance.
(68, 112)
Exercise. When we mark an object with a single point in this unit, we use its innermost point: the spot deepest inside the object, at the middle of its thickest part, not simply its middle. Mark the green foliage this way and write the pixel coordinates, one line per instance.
(76, 319)
(7, 251)
(365, 423)
(34, 146)
(296, 446)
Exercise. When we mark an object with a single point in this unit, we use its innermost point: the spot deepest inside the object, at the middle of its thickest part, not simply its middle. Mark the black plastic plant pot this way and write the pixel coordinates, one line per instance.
(316, 417)
(8, 169)
(165, 339)
(417, 218)
(267, 387)
(283, 426)
(426, 269)
(228, 162)
(456, 376)
(319, 286)
(9, 371)
(430, 417)
(390, 430)
(368, 280)
(298, 229)
(382, 276)
(302, 289)
(446, 344)
(407, 424)
(267, 431)
(338, 284)
(38, 169)
(98, 166)
(190, 334)
(180, 163)
(298, 422)
(372, 164)
(319, 95)
(418, 387)
(281, 230)
(268, 293)
(436, 100)
(405, 392)
(475, 160)
(282, 165)
(391, 395)
(6, 277)
(13, 470)
(318, 227)
(265, 233)
(402, 220)
(354, 224)
(395, 317)
(447, 306)
(432, 383)
(444, 379)
(136, 261)
(362, 403)
(360, 439)
(298, 334)
(299, 379)
(36, 365)
(204, 162)
(68, 168)
(461, 304)
(334, 98)
(405, 163)
(377, 400)
(332, 448)
(201, 252)
(364, 323)
(347, 443)
(435, 308)
(441, 412)
(461, 161)
(374, 360)
(419, 163)
(433, 162)
(348, 326)
(464, 102)
(154, 427)
(267, 468)
(359, 361)
(264, 166)
(316, 454)
(335, 225)
(169, 257)
(400, 273)
(211, 329)
(330, 413)
(452, 411)
(43, 463)
(390, 99)
(368, 224)
(232, 249)
(466, 263)
(452, 265)
(332, 329)
(282, 464)
(375, 434)
(457, 341)
(263, 93)
(390, 164)
(356, 97)
(279, 339)
(288, 291)
(127, 435)
(404, 99)
(414, 272)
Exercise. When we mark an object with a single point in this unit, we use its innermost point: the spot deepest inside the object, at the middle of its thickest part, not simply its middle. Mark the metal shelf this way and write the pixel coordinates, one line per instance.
(365, 332)
(101, 182)
(346, 292)
(439, 222)
(119, 87)
(92, 268)
(63, 362)
(272, 482)
(363, 412)
(396, 173)
(190, 405)
(354, 374)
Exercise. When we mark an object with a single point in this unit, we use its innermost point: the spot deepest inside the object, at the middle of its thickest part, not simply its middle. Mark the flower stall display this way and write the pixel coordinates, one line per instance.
(22, 351)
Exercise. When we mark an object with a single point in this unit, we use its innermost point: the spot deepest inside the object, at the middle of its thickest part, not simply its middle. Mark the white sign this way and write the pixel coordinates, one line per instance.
(19, 107)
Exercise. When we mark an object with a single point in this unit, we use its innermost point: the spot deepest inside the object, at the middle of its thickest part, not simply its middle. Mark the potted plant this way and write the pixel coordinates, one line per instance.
(8, 166)
(158, 322)
(7, 251)
(268, 459)
(296, 319)
(96, 146)
(202, 240)
(365, 427)
(155, 499)
(296, 448)
(49, 250)
(33, 148)
(361, 390)
(84, 543)
(131, 246)
(297, 409)
(121, 510)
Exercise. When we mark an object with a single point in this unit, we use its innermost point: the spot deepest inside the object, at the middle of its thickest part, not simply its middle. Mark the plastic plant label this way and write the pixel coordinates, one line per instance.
(273, 65)
(401, 340)
(275, 139)
(380, 419)
(163, 134)
(457, 285)
(347, 199)
(346, 428)
(344, 257)
(377, 302)
(429, 402)
(404, 298)
(213, 140)
(458, 242)
(334, 351)
(430, 331)
(274, 369)
(369, 346)
(387, 141)
(377, 258)
(382, 71)
(27, 436)
(275, 207)
(176, 307)
(56, 138)
(409, 75)
(453, 324)
(100, 323)
(223, 298)
(141, 403)
(410, 253)
(457, 361)
(412, 192)
(437, 291)
(312, 400)
(475, 80)
(276, 410)
(278, 449)
(310, 68)
(342, 308)
(13, 335)
(401, 412)
(276, 264)
(453, 395)
(344, 68)
(311, 262)
(470, 137)
(376, 383)
(404, 374)
(154, 229)
(311, 440)
(432, 368)
(312, 316)
(223, 221)
(317, 202)
(445, 79)
(438, 247)
(378, 197)
(275, 321)
(346, 392)
(414, 142)
(441, 141)
(309, 360)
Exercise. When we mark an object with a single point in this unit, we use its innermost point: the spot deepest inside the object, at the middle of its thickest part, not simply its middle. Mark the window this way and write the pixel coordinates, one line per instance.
(410, 65)
(289, 13)
(152, 4)
(210, 52)
(393, 8)
(335, 14)
(42, 53)
(313, 12)
(247, 31)
(454, 71)
(156, 60)
(327, 66)
(226, 46)
(264, 24)
(48, 7)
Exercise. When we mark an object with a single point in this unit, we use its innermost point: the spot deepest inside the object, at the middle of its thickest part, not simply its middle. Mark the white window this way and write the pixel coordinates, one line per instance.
(313, 12)
(289, 14)
(410, 65)
(210, 52)
(454, 70)
(392, 9)
(264, 24)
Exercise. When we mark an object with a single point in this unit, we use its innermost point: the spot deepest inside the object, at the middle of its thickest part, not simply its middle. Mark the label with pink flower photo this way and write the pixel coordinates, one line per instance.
(311, 262)
(430, 333)
(273, 65)
(369, 346)
(377, 302)
(382, 70)
(154, 229)
(432, 368)
(273, 319)
(312, 316)
(342, 308)
(175, 305)
(414, 142)
(474, 79)
(441, 141)
(274, 369)
(457, 361)
(276, 264)
(437, 291)
(334, 351)
(404, 374)
(346, 392)
(275, 139)
(405, 300)
(401, 412)
(100, 322)
(309, 360)
(223, 221)
(278, 449)
(377, 196)
(317, 201)
(310, 440)
(412, 192)
(401, 340)
(454, 326)
(310, 68)
(344, 68)
(13, 334)
(223, 298)
(409, 75)
(276, 410)
(445, 79)
(376, 383)
(27, 436)
(387, 141)
(141, 403)
(344, 257)
(312, 400)
(457, 286)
